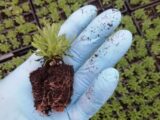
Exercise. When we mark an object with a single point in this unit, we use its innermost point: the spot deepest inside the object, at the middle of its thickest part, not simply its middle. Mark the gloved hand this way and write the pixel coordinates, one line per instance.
(93, 53)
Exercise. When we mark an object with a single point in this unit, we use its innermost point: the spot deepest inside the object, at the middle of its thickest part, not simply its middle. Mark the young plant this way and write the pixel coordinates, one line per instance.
(8, 23)
(158, 8)
(2, 38)
(75, 6)
(39, 2)
(155, 48)
(50, 45)
(7, 12)
(19, 20)
(54, 75)
(25, 7)
(11, 34)
(54, 12)
(134, 2)
(27, 39)
(1, 27)
(127, 23)
(146, 25)
(144, 2)
(16, 10)
(26, 28)
(140, 14)
(4, 48)
(15, 43)
(42, 11)
(119, 4)
(14, 2)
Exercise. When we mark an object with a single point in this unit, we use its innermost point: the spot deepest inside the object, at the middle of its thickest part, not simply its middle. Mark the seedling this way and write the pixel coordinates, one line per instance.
(139, 3)
(16, 10)
(54, 12)
(26, 28)
(39, 2)
(25, 7)
(140, 14)
(128, 24)
(4, 48)
(119, 4)
(8, 23)
(158, 9)
(42, 11)
(1, 27)
(51, 83)
(26, 40)
(19, 20)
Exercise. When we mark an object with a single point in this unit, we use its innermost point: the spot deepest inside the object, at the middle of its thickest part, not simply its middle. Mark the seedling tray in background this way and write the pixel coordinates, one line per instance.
(17, 26)
(137, 4)
(118, 4)
(137, 95)
(147, 20)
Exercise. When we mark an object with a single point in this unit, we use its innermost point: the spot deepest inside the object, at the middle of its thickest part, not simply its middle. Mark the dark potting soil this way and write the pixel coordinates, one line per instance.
(52, 86)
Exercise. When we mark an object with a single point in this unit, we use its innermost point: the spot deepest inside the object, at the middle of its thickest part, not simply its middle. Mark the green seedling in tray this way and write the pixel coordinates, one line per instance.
(42, 11)
(19, 20)
(119, 4)
(140, 2)
(26, 28)
(8, 23)
(128, 24)
(4, 47)
(140, 14)
(25, 7)
(27, 40)
(39, 2)
(16, 10)
(158, 8)
(54, 13)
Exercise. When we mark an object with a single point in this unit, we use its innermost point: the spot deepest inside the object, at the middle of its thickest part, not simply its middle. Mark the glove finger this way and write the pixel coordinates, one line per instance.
(74, 25)
(96, 95)
(107, 55)
(92, 37)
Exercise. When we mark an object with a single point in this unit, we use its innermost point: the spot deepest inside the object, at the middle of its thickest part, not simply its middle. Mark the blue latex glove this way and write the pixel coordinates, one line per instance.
(93, 54)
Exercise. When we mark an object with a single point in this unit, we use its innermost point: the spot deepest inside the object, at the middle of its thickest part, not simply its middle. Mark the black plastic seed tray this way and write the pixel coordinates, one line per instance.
(138, 6)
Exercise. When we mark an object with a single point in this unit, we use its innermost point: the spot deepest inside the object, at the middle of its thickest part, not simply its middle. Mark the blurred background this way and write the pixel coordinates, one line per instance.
(138, 94)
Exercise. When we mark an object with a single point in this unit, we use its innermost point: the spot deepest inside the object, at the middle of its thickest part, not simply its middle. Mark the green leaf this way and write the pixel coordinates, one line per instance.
(25, 7)
(158, 8)
(26, 39)
(119, 4)
(16, 10)
(127, 23)
(134, 2)
(4, 48)
(49, 44)
(8, 23)
(19, 20)
(140, 14)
